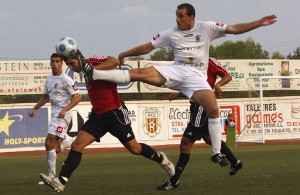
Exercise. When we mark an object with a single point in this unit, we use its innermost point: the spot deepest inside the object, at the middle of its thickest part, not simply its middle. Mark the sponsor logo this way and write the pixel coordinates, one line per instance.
(59, 129)
(75, 87)
(190, 48)
(151, 121)
(6, 122)
(18, 129)
(188, 35)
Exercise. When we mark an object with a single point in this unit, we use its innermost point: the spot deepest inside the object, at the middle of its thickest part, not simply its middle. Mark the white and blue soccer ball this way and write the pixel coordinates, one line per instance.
(66, 46)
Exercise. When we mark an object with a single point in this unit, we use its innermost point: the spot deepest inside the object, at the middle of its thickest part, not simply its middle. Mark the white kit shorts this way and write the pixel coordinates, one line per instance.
(186, 79)
(59, 126)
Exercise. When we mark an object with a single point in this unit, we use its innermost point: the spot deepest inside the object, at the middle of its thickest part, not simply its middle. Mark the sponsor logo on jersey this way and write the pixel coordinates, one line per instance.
(218, 24)
(190, 48)
(190, 63)
(188, 35)
(197, 37)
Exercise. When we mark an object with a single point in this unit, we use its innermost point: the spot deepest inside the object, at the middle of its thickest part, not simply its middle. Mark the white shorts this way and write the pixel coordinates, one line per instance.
(59, 126)
(185, 79)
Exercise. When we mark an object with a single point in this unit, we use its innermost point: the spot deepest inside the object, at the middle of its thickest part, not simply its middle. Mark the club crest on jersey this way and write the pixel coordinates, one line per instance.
(156, 37)
(197, 37)
(191, 60)
(151, 122)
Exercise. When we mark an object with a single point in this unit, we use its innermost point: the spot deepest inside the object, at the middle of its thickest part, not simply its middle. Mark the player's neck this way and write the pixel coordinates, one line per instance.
(56, 73)
(191, 26)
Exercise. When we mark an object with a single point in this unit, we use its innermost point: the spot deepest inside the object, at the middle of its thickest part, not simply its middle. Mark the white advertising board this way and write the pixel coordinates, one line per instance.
(28, 77)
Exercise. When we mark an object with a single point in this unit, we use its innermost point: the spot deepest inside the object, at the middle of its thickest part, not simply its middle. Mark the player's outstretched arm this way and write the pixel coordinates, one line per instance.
(136, 51)
(245, 27)
(109, 64)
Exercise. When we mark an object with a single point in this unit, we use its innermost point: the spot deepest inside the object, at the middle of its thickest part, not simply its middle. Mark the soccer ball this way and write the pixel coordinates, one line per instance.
(66, 46)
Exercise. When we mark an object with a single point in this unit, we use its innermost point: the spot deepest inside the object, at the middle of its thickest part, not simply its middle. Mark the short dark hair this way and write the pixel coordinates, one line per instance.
(56, 55)
(190, 10)
(78, 53)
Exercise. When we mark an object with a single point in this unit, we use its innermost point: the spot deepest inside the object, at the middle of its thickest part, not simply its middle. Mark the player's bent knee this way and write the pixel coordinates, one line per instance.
(77, 147)
(186, 145)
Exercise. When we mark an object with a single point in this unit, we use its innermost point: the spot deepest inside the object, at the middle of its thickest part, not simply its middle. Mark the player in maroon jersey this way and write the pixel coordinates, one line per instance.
(109, 114)
(198, 127)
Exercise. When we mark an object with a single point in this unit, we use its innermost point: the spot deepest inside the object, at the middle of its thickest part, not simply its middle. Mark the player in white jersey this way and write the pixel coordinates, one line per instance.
(190, 41)
(63, 94)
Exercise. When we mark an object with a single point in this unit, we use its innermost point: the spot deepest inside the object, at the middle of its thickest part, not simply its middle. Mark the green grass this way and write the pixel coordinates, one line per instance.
(267, 170)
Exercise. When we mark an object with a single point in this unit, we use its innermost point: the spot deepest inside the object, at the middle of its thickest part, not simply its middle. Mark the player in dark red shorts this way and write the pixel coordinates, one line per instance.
(197, 128)
(109, 114)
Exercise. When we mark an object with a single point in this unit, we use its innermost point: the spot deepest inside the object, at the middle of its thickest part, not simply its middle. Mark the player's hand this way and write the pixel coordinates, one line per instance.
(268, 20)
(62, 114)
(120, 65)
(218, 92)
(32, 113)
(121, 59)
(173, 96)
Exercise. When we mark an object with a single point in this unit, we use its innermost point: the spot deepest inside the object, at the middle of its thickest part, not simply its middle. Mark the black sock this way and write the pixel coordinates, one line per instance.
(149, 153)
(182, 162)
(229, 155)
(70, 164)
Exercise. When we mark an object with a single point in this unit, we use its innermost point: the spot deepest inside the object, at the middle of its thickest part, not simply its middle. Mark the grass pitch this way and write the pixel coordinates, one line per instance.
(268, 169)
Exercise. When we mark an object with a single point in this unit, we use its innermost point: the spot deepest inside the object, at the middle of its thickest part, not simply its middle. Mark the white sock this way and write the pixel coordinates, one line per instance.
(215, 131)
(66, 143)
(115, 76)
(51, 160)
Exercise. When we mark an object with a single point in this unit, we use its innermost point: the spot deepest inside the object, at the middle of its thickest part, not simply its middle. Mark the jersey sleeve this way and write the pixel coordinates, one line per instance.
(162, 39)
(46, 91)
(216, 68)
(216, 30)
(95, 60)
(70, 85)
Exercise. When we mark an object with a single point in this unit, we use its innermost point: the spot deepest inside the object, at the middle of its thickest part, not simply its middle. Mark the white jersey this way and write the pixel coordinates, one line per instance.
(191, 47)
(60, 89)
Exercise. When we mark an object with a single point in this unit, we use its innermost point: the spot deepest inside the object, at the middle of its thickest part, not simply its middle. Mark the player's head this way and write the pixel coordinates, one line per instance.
(76, 62)
(56, 63)
(185, 16)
